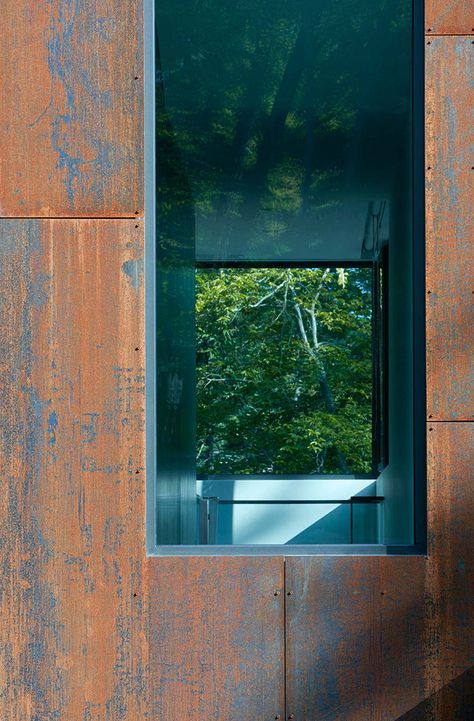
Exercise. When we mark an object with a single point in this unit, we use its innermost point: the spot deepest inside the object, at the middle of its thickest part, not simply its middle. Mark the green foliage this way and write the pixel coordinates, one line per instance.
(284, 380)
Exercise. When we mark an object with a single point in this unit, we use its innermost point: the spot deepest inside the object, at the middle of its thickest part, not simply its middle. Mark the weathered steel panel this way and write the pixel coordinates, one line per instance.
(449, 17)
(449, 227)
(453, 702)
(217, 639)
(354, 637)
(388, 633)
(73, 583)
(449, 583)
(71, 96)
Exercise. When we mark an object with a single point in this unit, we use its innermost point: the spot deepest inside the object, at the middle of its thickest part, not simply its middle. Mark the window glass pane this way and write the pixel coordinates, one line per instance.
(290, 120)
(283, 511)
(287, 351)
(284, 261)
(285, 523)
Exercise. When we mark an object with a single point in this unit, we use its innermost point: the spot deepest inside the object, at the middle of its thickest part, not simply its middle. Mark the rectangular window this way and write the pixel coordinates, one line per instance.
(285, 260)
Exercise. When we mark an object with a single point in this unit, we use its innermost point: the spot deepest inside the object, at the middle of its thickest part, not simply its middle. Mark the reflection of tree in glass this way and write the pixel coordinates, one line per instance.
(279, 107)
(284, 379)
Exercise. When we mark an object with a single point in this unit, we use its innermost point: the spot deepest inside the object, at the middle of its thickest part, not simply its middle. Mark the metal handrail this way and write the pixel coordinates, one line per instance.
(208, 510)
(352, 499)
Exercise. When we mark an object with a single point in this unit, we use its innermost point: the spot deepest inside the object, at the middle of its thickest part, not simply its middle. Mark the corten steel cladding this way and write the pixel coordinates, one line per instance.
(72, 108)
(449, 227)
(74, 572)
(217, 638)
(455, 17)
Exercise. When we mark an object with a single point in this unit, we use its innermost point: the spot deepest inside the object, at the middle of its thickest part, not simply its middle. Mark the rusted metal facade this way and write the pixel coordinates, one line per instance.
(92, 629)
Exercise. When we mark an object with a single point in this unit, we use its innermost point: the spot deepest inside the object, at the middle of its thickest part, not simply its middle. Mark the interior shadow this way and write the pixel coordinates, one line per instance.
(453, 702)
(334, 527)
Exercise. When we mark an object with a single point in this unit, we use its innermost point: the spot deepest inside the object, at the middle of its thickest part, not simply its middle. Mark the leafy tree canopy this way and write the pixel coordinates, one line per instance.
(284, 380)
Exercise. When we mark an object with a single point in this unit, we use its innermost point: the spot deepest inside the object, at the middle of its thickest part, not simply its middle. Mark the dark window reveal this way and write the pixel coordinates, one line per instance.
(284, 272)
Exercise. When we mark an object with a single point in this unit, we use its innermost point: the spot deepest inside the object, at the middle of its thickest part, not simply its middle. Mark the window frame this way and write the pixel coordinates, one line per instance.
(419, 547)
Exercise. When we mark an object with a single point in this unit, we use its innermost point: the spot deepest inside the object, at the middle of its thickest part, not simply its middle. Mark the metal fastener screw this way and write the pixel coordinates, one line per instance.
(276, 593)
(291, 716)
(289, 593)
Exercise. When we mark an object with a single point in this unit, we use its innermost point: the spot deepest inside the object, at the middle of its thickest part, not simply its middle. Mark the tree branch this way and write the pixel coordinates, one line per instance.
(268, 296)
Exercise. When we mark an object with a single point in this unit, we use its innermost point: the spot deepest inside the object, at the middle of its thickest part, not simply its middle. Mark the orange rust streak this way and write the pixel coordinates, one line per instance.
(77, 567)
(449, 228)
(449, 17)
(71, 135)
(217, 638)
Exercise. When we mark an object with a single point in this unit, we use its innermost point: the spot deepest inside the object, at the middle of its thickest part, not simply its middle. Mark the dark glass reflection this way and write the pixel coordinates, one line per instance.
(284, 167)
(291, 120)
